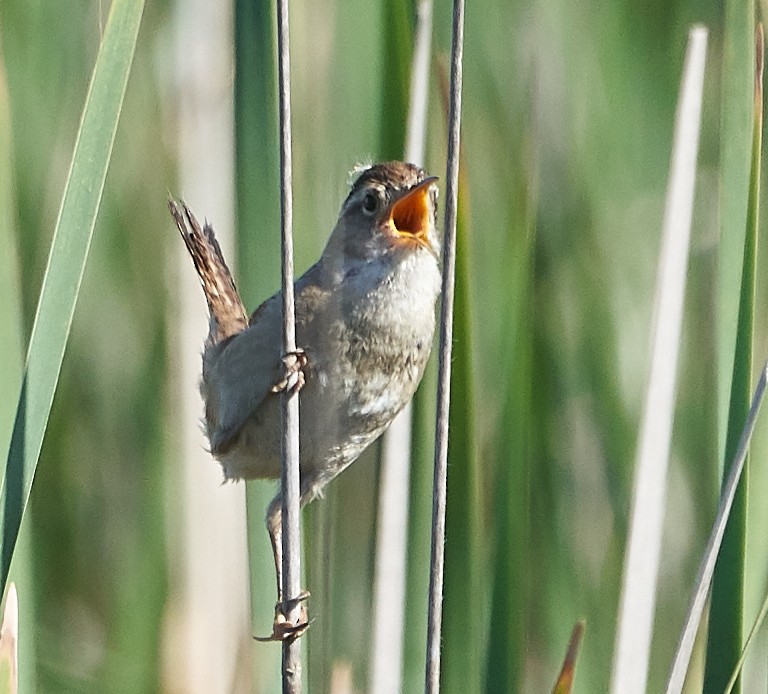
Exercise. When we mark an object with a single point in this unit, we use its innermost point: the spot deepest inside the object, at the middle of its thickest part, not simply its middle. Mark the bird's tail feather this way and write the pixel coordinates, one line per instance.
(228, 316)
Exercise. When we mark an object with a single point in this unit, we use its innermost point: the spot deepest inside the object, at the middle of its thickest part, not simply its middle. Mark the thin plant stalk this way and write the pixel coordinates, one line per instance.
(706, 568)
(461, 670)
(289, 463)
(750, 639)
(641, 567)
(437, 559)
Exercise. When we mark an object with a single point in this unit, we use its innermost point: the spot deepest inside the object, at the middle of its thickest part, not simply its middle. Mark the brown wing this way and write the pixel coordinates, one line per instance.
(239, 374)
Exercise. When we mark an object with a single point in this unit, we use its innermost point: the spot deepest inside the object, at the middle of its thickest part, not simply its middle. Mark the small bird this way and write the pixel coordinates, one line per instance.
(365, 320)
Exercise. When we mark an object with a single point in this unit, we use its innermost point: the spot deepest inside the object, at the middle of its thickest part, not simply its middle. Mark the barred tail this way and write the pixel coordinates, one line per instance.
(228, 316)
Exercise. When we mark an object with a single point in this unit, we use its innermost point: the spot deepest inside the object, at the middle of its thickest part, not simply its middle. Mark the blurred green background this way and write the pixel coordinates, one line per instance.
(568, 117)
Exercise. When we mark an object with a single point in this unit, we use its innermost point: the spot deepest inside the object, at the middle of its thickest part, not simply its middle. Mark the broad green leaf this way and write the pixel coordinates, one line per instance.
(11, 338)
(66, 264)
(511, 543)
(763, 608)
(735, 149)
(257, 186)
(726, 614)
(397, 29)
(11, 347)
(11, 341)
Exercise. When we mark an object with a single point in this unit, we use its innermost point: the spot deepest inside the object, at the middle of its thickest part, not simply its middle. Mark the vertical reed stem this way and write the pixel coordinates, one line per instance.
(444, 378)
(289, 470)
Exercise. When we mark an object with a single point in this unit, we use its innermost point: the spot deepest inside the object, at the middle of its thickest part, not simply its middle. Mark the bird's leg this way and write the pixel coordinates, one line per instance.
(282, 628)
(292, 377)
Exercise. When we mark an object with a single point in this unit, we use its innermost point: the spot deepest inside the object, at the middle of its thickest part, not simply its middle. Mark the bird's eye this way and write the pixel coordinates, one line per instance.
(370, 203)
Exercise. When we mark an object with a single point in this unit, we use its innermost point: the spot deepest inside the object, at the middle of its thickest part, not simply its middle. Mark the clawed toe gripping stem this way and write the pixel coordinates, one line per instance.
(293, 377)
(282, 628)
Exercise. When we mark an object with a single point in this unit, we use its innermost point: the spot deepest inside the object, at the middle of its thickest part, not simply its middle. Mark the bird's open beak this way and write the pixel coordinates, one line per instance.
(410, 215)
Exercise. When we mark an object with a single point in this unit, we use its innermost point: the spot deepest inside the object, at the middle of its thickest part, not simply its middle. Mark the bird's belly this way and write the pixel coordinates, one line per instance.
(255, 453)
(359, 377)
(339, 416)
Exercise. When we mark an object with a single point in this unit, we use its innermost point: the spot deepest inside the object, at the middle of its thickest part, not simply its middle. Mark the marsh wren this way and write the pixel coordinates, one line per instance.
(365, 319)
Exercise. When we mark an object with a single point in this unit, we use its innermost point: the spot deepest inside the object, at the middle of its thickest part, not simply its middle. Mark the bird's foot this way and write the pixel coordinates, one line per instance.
(292, 379)
(282, 628)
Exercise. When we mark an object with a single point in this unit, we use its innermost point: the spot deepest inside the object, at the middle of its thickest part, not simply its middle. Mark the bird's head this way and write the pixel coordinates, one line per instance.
(391, 207)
